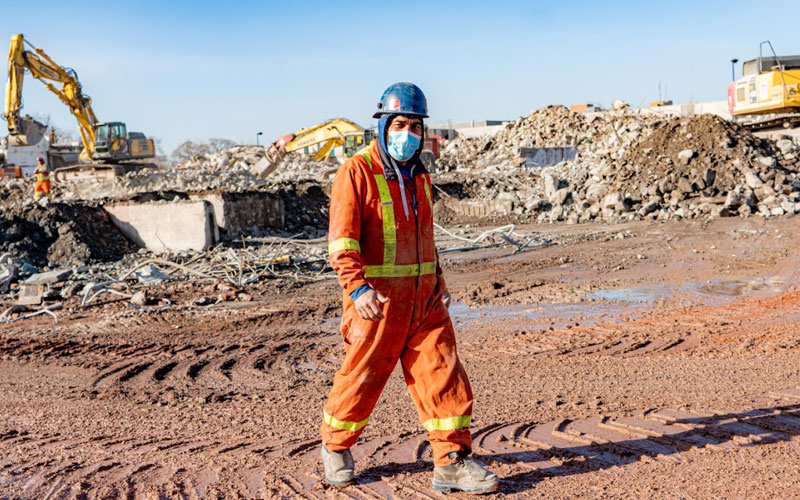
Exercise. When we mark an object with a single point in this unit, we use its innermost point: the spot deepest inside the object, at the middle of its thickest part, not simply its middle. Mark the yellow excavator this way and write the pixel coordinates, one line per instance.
(768, 94)
(338, 132)
(105, 145)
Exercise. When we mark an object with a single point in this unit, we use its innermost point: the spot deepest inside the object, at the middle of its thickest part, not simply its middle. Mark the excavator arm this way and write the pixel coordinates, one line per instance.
(329, 134)
(43, 68)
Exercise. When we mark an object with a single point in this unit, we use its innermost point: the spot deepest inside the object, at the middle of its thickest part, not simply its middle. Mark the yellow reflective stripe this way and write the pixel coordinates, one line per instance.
(343, 244)
(389, 230)
(42, 177)
(428, 195)
(343, 424)
(387, 211)
(447, 424)
(399, 271)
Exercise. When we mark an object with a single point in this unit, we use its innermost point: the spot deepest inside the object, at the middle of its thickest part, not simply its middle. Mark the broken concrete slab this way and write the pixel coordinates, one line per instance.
(244, 213)
(480, 208)
(264, 167)
(30, 295)
(49, 277)
(167, 227)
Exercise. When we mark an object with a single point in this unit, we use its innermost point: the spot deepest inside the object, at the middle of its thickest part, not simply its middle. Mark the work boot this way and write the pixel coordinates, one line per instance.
(338, 466)
(465, 475)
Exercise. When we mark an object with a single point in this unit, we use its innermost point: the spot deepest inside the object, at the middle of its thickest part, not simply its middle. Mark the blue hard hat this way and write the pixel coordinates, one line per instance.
(402, 98)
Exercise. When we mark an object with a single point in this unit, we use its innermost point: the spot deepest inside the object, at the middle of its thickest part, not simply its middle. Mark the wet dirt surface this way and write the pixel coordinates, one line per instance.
(632, 361)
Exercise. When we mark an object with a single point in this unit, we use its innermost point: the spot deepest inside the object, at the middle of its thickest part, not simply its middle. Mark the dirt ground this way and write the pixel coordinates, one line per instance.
(632, 361)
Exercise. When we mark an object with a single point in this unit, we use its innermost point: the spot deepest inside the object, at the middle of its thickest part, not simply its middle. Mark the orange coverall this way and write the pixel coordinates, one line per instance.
(42, 186)
(372, 242)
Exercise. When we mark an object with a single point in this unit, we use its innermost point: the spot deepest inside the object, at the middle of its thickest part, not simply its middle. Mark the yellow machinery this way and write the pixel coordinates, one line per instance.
(107, 142)
(331, 134)
(769, 86)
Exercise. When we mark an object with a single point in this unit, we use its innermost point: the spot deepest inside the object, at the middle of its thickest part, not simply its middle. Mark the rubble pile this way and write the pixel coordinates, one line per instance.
(214, 172)
(550, 126)
(61, 234)
(629, 165)
(704, 165)
(241, 159)
(234, 158)
(15, 191)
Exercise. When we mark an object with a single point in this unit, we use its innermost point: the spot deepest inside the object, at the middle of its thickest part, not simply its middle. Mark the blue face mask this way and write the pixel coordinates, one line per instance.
(403, 145)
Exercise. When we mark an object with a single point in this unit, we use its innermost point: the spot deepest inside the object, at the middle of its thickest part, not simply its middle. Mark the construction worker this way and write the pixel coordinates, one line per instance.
(42, 186)
(381, 245)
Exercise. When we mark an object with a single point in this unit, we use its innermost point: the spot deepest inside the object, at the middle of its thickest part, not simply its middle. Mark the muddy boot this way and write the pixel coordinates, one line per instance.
(338, 466)
(465, 475)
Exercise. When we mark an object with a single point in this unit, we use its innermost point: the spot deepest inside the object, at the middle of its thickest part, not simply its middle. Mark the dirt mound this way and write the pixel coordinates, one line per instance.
(15, 191)
(688, 147)
(62, 234)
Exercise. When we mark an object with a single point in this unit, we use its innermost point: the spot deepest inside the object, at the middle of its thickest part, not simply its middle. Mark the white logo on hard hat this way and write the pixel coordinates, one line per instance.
(394, 104)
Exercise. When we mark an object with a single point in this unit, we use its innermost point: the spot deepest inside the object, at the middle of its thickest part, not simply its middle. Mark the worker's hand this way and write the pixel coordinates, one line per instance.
(368, 305)
(446, 299)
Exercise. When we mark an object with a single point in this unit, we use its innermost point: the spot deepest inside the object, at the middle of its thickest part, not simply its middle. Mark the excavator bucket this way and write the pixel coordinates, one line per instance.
(29, 132)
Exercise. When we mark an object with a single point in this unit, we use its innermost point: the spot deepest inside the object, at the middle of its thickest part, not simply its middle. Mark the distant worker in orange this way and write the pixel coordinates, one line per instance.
(381, 245)
(42, 186)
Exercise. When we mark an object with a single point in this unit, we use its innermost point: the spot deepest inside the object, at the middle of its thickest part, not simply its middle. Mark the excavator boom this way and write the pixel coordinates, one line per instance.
(43, 68)
(329, 135)
(109, 142)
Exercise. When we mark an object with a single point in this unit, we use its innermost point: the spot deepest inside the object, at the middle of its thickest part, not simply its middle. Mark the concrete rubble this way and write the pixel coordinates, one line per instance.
(630, 165)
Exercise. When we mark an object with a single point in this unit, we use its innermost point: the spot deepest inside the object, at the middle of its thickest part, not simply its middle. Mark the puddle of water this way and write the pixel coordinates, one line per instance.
(614, 303)
(736, 288)
(640, 294)
(719, 288)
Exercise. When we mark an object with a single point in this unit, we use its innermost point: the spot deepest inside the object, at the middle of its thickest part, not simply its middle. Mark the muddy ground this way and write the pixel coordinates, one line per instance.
(632, 361)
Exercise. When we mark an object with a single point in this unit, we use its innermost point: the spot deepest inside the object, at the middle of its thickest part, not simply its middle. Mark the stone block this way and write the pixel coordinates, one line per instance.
(167, 227)
(30, 295)
(49, 277)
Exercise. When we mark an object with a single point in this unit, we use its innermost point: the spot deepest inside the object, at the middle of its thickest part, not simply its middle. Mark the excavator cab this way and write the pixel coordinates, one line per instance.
(113, 143)
(355, 142)
(110, 141)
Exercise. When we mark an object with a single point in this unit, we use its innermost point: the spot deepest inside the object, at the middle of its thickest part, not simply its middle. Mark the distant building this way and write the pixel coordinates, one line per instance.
(473, 128)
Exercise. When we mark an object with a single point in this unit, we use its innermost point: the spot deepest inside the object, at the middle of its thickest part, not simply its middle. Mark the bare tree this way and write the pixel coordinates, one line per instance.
(218, 145)
(190, 149)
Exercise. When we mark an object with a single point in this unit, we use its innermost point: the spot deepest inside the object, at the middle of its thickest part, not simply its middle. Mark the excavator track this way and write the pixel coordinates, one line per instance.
(785, 121)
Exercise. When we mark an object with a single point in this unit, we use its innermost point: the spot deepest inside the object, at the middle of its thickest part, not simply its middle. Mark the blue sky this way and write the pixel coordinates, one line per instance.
(180, 70)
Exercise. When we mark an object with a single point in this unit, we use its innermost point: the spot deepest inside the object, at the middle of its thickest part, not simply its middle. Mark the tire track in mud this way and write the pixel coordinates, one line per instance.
(755, 325)
(391, 466)
(153, 366)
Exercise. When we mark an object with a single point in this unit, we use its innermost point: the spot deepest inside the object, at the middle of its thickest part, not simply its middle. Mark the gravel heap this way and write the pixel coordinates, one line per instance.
(630, 164)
